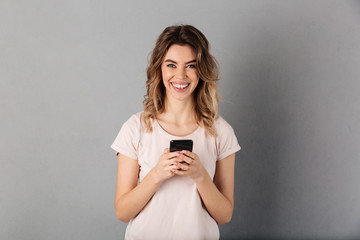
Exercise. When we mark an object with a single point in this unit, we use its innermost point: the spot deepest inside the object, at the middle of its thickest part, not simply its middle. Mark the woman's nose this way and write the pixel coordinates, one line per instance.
(181, 73)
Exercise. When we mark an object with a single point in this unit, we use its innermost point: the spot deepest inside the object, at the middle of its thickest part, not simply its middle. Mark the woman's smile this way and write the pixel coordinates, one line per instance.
(180, 87)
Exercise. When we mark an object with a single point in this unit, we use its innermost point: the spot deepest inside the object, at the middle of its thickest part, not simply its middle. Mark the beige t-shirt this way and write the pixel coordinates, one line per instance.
(175, 211)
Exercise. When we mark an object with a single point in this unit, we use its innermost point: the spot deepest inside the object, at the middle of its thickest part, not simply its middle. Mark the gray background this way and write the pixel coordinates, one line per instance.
(71, 72)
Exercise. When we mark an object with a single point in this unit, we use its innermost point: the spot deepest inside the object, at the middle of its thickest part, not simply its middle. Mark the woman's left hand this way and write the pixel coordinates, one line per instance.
(190, 165)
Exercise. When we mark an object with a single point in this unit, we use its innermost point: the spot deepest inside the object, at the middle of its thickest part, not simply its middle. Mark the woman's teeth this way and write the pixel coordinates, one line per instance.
(181, 86)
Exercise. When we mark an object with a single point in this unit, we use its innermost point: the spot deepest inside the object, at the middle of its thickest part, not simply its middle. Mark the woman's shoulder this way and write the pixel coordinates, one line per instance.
(221, 122)
(136, 116)
(226, 139)
(222, 126)
(134, 120)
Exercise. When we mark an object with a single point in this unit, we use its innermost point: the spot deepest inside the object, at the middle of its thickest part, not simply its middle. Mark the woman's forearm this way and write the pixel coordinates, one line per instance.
(131, 203)
(218, 206)
(131, 197)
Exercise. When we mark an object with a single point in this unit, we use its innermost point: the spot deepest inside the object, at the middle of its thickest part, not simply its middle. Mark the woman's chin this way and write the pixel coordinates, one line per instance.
(180, 97)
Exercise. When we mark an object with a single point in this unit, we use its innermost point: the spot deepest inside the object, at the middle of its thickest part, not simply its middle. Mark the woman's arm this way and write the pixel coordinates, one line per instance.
(131, 197)
(217, 195)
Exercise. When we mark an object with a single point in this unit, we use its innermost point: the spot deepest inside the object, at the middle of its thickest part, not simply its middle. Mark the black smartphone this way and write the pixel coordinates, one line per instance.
(179, 145)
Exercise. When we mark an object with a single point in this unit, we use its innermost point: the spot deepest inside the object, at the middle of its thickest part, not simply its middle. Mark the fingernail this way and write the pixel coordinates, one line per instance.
(183, 151)
(177, 154)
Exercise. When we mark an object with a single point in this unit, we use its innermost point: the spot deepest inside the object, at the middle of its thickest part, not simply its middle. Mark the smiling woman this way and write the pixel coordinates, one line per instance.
(205, 94)
(180, 194)
(179, 74)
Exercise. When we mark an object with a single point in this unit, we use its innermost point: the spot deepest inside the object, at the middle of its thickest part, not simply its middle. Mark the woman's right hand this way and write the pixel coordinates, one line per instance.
(168, 162)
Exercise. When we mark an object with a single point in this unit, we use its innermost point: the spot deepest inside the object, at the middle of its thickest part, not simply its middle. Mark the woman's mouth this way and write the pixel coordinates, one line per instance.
(180, 87)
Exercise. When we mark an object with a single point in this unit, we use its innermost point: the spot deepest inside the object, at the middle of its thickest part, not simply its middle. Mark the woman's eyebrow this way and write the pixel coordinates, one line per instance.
(192, 61)
(169, 60)
(172, 61)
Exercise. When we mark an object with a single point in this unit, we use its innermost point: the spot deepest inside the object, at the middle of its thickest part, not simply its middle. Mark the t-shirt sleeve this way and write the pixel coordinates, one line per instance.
(127, 140)
(227, 143)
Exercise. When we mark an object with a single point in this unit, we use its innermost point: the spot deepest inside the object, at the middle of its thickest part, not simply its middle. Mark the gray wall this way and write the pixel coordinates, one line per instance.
(71, 72)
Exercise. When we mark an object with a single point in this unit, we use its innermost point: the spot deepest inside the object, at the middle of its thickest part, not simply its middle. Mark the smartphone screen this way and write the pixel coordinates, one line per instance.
(179, 145)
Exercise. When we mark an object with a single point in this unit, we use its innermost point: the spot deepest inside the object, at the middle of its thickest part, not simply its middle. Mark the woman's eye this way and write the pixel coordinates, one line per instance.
(191, 66)
(170, 65)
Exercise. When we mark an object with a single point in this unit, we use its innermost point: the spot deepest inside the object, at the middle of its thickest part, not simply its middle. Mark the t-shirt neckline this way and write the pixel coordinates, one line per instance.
(162, 130)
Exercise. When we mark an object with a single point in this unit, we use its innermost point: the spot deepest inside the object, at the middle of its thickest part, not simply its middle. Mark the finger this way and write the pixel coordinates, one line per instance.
(166, 150)
(178, 172)
(174, 163)
(171, 155)
(185, 159)
(188, 154)
(173, 169)
(183, 167)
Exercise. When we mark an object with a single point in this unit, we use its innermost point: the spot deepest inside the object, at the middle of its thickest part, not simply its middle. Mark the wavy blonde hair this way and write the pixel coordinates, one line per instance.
(205, 94)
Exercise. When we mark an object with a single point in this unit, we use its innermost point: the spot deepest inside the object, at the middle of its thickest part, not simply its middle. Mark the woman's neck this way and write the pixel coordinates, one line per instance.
(179, 112)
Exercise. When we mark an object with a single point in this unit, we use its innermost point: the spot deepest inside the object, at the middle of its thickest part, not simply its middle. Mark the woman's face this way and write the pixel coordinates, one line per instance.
(179, 72)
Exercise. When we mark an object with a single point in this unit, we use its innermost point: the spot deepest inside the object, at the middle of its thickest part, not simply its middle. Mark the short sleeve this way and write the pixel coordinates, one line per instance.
(226, 141)
(127, 140)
